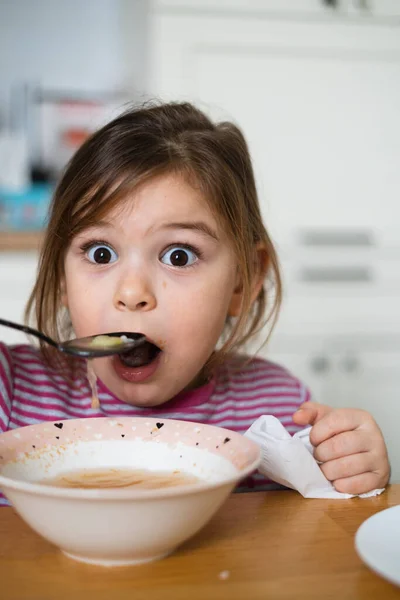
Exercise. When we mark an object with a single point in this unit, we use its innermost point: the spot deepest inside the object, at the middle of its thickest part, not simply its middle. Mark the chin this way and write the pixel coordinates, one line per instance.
(139, 402)
(133, 398)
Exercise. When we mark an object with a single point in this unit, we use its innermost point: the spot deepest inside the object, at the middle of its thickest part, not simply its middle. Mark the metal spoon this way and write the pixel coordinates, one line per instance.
(87, 347)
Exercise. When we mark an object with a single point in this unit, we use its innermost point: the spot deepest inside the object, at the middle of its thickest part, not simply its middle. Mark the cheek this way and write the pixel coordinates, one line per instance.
(81, 307)
(199, 312)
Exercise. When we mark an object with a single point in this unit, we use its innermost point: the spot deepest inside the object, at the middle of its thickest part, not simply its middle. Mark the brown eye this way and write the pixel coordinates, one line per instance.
(101, 255)
(179, 257)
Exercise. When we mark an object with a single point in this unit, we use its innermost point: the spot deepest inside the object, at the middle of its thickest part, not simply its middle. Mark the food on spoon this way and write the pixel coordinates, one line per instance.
(108, 341)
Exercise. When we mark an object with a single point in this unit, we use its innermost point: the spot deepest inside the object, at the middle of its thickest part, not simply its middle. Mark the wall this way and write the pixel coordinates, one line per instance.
(72, 45)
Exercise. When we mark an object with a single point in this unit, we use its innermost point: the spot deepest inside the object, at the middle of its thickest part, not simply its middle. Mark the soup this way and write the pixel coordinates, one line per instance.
(120, 478)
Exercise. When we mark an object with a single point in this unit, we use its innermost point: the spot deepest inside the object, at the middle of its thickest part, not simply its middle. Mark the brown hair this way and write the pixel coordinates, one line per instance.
(138, 145)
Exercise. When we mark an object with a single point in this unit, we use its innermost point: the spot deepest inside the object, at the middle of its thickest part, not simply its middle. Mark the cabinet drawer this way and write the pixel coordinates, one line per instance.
(290, 7)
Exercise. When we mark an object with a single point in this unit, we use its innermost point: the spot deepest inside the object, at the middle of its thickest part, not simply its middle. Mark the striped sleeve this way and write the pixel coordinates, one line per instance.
(6, 386)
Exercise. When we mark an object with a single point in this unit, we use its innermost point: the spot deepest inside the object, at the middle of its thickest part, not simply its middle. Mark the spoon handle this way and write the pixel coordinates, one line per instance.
(28, 330)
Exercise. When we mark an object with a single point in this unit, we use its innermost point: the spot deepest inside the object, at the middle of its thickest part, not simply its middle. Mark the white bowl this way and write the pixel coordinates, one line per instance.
(118, 526)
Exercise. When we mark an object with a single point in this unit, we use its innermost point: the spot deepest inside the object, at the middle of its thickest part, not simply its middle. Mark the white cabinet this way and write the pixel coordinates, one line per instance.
(318, 100)
(316, 88)
(17, 276)
(371, 381)
(360, 372)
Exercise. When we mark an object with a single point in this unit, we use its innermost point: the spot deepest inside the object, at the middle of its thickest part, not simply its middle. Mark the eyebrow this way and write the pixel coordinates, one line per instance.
(199, 226)
(102, 223)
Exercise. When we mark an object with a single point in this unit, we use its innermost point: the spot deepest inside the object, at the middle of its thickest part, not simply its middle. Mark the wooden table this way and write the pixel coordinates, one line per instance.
(259, 546)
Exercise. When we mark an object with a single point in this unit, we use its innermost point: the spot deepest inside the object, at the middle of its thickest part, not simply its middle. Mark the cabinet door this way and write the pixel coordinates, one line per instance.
(313, 370)
(318, 101)
(371, 381)
(308, 358)
(17, 276)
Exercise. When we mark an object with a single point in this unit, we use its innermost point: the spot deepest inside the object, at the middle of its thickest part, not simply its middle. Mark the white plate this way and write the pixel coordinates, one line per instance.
(378, 543)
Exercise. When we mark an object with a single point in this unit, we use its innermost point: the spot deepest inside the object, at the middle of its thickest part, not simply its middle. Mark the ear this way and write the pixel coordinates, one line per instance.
(261, 268)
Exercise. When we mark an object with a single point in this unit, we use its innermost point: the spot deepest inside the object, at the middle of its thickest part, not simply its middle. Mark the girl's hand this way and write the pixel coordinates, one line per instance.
(350, 445)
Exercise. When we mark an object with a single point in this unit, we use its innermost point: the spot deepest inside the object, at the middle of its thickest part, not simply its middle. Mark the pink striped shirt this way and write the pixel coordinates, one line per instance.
(31, 392)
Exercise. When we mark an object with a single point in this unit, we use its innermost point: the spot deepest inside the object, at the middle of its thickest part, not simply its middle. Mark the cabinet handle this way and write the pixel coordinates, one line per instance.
(331, 274)
(320, 364)
(350, 364)
(332, 238)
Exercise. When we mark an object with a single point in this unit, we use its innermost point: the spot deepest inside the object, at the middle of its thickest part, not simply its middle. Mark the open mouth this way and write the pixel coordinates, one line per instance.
(140, 356)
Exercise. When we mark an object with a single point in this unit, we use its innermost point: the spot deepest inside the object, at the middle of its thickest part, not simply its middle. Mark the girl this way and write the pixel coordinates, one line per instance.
(155, 228)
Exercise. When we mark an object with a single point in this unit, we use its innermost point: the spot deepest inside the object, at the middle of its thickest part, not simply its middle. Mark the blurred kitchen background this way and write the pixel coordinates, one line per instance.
(315, 85)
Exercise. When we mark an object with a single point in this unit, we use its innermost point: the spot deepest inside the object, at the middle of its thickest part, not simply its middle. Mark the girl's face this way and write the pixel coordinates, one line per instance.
(160, 266)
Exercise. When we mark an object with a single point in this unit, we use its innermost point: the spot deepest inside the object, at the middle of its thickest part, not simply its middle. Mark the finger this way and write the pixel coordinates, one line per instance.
(358, 484)
(310, 412)
(342, 444)
(348, 466)
(337, 421)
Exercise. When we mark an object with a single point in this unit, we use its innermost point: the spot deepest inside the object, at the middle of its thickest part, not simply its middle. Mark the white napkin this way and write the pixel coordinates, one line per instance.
(289, 460)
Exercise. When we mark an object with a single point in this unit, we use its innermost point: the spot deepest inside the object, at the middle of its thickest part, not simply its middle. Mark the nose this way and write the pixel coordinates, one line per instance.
(134, 292)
